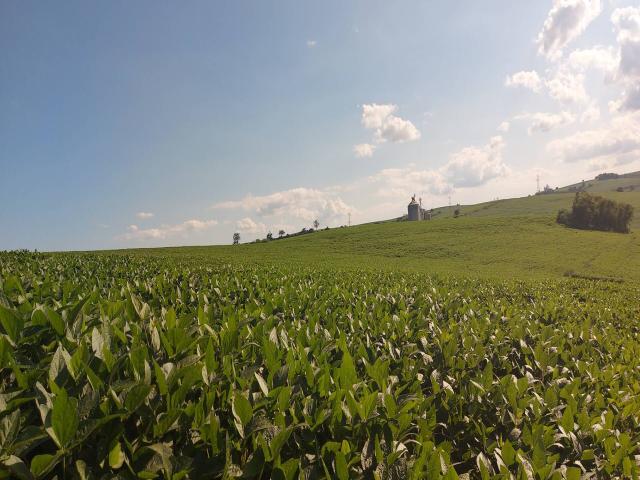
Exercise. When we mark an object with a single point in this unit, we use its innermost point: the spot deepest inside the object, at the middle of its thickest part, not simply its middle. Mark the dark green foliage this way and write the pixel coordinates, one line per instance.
(593, 212)
(178, 370)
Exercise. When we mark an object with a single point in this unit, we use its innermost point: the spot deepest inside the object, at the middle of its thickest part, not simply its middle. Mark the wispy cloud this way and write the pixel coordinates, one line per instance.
(144, 215)
(544, 122)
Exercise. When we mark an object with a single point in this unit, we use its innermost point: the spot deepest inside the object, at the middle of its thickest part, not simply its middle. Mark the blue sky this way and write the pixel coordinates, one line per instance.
(163, 123)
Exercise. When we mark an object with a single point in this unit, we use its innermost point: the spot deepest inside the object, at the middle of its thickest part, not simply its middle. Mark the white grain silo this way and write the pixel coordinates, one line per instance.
(413, 210)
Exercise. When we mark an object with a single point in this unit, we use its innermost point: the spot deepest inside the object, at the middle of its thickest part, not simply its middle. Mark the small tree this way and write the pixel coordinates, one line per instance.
(236, 238)
(316, 224)
(281, 233)
(456, 212)
(269, 236)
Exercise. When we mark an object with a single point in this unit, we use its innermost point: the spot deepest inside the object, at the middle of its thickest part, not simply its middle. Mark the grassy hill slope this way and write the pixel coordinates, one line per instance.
(507, 247)
(549, 204)
(515, 238)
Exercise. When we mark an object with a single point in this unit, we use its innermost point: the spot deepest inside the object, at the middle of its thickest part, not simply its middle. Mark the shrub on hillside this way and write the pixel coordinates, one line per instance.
(593, 212)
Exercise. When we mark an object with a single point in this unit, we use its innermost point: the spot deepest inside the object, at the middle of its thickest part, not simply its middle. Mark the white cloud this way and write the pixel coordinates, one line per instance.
(374, 115)
(597, 58)
(591, 114)
(526, 79)
(567, 87)
(386, 126)
(504, 127)
(401, 182)
(566, 20)
(311, 43)
(144, 215)
(247, 225)
(363, 150)
(469, 167)
(473, 166)
(134, 232)
(299, 204)
(618, 142)
(627, 24)
(544, 122)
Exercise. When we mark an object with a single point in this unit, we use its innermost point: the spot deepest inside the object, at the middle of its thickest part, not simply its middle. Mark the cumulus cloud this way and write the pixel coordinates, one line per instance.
(618, 142)
(567, 87)
(469, 167)
(627, 24)
(544, 122)
(144, 215)
(247, 225)
(363, 150)
(566, 20)
(311, 43)
(388, 127)
(134, 232)
(597, 58)
(300, 204)
(473, 166)
(398, 182)
(526, 79)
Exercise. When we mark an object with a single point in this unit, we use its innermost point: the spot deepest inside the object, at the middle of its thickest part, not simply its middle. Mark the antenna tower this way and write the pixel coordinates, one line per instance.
(538, 182)
(349, 218)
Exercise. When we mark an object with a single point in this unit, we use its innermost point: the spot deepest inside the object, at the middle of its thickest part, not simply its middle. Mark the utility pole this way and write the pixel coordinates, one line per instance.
(349, 218)
(538, 183)
(449, 201)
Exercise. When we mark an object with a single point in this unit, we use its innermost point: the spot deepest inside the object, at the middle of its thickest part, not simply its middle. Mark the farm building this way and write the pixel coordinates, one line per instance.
(415, 212)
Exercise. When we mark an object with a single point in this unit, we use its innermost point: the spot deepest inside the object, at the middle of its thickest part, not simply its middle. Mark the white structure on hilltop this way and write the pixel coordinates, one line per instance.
(415, 212)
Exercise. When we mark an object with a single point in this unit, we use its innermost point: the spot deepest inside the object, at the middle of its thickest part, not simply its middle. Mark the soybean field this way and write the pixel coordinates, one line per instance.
(130, 366)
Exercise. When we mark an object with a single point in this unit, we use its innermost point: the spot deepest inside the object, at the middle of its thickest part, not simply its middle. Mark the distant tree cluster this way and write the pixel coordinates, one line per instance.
(607, 176)
(593, 212)
(282, 234)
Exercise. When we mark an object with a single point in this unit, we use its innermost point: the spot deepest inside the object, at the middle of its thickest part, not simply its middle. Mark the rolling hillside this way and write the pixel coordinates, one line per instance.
(516, 238)
(549, 204)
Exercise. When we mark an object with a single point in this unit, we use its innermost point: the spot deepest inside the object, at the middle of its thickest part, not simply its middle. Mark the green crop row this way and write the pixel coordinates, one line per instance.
(114, 366)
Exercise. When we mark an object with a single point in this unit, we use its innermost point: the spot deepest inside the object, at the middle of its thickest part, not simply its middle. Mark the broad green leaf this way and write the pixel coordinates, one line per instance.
(242, 409)
(64, 418)
(116, 456)
(342, 470)
(11, 322)
(136, 397)
(41, 465)
(508, 453)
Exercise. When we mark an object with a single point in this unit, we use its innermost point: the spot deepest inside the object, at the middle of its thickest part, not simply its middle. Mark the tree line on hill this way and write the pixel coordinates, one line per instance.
(593, 212)
(281, 234)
